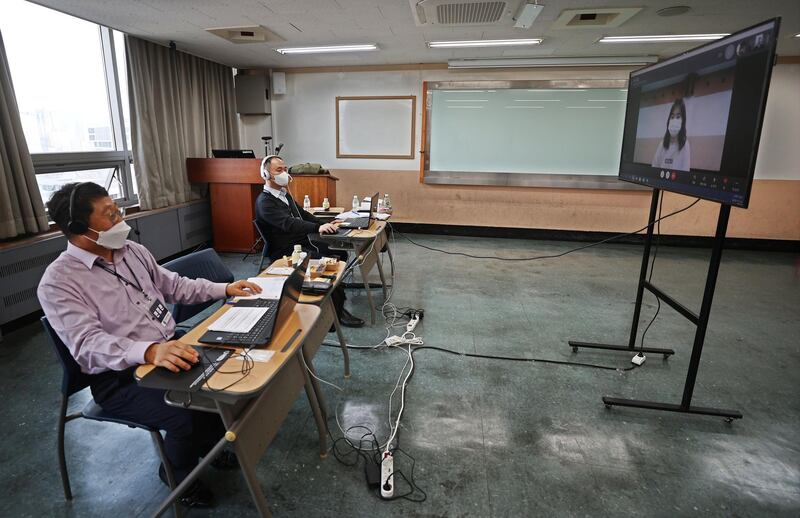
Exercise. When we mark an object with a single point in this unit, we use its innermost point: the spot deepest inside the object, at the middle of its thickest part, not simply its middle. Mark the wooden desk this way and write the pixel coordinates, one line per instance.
(253, 409)
(367, 245)
(326, 319)
(234, 185)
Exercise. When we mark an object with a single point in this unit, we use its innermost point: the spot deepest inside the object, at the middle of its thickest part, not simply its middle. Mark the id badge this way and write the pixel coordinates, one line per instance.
(159, 313)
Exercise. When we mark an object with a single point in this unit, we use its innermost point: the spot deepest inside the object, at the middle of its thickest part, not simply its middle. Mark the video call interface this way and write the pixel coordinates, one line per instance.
(692, 122)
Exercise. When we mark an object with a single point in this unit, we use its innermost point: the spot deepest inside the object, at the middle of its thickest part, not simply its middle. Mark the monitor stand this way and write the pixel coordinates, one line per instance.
(701, 321)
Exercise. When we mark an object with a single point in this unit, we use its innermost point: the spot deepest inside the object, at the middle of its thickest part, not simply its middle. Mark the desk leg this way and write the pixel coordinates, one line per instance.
(253, 484)
(365, 277)
(342, 341)
(320, 399)
(315, 401)
(380, 272)
(191, 477)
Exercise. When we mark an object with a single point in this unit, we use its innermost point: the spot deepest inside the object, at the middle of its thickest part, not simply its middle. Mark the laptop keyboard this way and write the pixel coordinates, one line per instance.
(260, 332)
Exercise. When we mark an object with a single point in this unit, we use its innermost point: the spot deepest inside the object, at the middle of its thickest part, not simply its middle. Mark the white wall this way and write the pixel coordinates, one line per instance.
(304, 117)
(251, 129)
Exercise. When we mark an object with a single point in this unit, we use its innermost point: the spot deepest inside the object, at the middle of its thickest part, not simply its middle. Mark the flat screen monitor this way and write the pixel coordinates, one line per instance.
(693, 122)
(233, 153)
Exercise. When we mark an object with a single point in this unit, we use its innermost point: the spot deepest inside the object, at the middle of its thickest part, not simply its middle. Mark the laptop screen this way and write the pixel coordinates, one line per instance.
(291, 293)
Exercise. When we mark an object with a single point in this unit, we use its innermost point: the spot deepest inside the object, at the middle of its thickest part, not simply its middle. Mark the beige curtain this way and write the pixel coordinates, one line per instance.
(181, 106)
(21, 206)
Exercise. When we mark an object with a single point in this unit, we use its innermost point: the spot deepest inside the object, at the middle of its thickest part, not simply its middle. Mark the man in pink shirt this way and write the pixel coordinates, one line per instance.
(106, 298)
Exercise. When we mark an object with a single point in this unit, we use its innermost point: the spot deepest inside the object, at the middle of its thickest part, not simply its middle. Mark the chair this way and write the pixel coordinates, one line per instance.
(204, 264)
(74, 381)
(264, 251)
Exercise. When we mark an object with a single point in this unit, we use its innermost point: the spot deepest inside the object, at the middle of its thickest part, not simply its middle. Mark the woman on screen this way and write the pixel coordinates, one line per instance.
(674, 152)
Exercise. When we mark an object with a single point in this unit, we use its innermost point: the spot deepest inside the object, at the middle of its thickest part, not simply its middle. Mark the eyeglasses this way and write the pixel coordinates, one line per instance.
(115, 215)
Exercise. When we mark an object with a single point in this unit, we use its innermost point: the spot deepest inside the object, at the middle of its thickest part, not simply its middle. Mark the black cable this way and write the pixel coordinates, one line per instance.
(553, 256)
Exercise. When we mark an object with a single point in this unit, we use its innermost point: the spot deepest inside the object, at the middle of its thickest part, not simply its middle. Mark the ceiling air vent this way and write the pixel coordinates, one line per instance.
(247, 34)
(456, 13)
(594, 18)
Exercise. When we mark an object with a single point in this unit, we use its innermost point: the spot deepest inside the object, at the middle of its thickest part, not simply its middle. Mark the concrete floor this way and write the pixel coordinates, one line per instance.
(490, 438)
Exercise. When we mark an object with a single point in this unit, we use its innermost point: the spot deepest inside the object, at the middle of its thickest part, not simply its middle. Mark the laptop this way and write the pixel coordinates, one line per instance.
(359, 223)
(233, 153)
(260, 333)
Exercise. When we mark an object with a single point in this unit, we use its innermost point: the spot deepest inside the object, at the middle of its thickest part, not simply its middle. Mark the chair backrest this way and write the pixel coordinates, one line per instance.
(204, 264)
(263, 233)
(73, 380)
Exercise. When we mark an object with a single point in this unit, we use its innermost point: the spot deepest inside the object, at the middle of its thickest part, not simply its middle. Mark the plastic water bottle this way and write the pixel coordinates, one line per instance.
(296, 254)
(306, 203)
(387, 203)
(326, 204)
(356, 203)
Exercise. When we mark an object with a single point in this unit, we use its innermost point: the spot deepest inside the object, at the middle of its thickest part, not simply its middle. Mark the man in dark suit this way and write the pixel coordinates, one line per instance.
(286, 224)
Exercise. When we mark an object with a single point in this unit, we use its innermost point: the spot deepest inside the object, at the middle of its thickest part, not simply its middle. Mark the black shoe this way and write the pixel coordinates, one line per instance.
(196, 495)
(348, 320)
(225, 461)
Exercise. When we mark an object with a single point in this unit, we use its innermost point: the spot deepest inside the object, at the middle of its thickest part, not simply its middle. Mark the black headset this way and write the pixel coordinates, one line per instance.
(76, 226)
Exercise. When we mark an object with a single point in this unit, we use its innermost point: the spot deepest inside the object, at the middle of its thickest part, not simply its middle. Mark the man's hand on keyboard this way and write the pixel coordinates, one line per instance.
(329, 228)
(172, 355)
(242, 289)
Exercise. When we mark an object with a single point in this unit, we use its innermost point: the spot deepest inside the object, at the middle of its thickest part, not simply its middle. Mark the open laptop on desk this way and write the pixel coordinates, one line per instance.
(254, 320)
(359, 223)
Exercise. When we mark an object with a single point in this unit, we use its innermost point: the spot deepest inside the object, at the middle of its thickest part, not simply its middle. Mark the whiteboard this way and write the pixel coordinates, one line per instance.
(375, 127)
(527, 130)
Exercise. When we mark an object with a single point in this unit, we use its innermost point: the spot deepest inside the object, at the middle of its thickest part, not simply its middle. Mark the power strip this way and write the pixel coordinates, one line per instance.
(387, 472)
(393, 340)
(412, 323)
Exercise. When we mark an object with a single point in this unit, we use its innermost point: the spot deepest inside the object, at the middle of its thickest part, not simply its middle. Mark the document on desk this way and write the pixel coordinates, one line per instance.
(238, 320)
(280, 270)
(349, 215)
(271, 288)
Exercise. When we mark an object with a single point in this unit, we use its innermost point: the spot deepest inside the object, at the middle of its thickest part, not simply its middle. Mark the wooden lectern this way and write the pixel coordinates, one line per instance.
(234, 184)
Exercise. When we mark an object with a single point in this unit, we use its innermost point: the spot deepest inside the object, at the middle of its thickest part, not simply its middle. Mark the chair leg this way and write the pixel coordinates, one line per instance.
(62, 459)
(261, 264)
(162, 453)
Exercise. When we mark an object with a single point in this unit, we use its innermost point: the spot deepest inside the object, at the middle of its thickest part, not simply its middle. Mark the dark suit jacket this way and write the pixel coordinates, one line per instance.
(284, 226)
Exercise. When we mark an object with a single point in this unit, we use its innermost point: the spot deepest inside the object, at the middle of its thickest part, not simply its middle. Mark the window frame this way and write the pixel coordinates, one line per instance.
(121, 158)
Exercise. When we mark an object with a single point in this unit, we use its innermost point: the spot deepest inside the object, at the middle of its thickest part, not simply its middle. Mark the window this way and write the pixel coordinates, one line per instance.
(71, 90)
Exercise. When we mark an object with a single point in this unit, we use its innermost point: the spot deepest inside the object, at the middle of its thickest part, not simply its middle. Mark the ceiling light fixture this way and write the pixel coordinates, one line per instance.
(482, 43)
(551, 62)
(661, 38)
(328, 49)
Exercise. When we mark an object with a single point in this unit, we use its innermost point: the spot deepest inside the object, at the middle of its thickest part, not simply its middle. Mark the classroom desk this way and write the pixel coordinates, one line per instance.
(253, 409)
(367, 245)
(328, 315)
(326, 215)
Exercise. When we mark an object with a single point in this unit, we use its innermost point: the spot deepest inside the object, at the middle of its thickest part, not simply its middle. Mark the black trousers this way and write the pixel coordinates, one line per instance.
(190, 434)
(315, 250)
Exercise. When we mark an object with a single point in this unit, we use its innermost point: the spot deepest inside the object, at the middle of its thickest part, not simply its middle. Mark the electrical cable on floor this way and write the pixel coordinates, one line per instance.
(552, 256)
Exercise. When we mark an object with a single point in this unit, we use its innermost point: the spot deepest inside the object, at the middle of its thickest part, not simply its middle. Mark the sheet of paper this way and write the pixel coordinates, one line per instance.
(280, 270)
(237, 320)
(271, 287)
(349, 215)
(257, 355)
(382, 216)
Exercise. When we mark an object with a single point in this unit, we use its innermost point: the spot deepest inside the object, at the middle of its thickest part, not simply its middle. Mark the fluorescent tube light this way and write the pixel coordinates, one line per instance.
(551, 62)
(482, 43)
(660, 38)
(328, 48)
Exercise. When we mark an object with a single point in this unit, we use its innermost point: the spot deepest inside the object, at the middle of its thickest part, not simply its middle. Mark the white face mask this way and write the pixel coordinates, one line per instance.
(674, 127)
(282, 179)
(113, 238)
